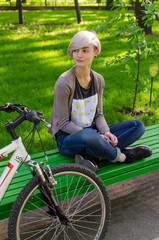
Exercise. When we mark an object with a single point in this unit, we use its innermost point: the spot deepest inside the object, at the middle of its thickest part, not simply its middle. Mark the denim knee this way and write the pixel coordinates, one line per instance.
(100, 148)
(141, 127)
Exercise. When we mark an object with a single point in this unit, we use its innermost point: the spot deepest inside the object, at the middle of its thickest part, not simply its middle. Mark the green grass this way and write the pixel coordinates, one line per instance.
(53, 2)
(56, 2)
(34, 55)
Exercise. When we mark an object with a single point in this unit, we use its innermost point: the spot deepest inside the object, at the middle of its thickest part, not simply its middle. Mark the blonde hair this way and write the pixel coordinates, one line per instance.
(82, 39)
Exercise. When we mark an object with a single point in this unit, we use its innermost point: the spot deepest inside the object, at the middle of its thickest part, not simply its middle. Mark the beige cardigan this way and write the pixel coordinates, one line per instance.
(63, 96)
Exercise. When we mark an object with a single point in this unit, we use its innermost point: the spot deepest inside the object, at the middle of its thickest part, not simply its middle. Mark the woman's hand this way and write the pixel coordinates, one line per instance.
(111, 138)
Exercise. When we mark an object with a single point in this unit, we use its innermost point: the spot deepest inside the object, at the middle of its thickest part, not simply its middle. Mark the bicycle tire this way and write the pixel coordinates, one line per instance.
(82, 196)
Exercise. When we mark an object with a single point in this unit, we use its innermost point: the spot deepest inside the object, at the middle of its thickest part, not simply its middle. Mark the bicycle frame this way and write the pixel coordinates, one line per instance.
(20, 155)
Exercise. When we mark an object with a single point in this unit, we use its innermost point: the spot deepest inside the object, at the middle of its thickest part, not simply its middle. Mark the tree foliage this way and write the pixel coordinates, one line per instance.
(125, 25)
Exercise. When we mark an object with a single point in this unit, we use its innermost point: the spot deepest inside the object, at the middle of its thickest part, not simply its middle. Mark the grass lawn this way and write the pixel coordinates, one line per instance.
(54, 3)
(34, 55)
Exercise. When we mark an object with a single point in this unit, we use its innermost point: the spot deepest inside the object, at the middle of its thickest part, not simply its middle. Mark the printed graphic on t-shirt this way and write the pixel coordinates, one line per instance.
(83, 111)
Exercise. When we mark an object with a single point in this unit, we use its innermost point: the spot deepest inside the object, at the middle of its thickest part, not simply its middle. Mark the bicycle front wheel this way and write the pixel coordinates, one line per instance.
(81, 195)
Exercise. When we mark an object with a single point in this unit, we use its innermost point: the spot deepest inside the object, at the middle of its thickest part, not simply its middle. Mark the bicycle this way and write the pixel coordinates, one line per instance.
(66, 201)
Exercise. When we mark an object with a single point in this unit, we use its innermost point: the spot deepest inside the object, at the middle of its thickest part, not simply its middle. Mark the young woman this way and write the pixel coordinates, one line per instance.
(77, 119)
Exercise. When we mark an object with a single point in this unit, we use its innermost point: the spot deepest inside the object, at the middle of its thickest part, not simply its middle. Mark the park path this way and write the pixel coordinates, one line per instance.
(135, 209)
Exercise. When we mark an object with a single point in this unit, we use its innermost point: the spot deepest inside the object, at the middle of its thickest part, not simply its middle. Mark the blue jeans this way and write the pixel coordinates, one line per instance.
(89, 141)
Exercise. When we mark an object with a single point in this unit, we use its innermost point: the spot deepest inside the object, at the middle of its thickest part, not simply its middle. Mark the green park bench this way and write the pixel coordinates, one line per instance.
(108, 172)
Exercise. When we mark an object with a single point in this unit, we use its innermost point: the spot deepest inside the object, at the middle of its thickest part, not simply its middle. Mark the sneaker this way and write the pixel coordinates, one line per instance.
(136, 153)
(88, 163)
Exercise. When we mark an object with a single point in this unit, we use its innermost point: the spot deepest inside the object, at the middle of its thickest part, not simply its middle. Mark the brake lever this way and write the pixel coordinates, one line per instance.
(9, 107)
(46, 123)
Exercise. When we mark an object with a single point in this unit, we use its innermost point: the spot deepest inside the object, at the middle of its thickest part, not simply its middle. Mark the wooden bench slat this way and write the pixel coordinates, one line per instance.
(152, 127)
(150, 140)
(131, 174)
(108, 172)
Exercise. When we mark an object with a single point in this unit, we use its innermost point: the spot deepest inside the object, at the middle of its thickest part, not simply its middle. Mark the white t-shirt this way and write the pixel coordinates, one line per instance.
(84, 105)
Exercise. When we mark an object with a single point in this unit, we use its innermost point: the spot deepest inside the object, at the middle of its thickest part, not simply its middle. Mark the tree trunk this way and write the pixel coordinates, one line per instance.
(109, 4)
(20, 11)
(78, 12)
(137, 82)
(139, 13)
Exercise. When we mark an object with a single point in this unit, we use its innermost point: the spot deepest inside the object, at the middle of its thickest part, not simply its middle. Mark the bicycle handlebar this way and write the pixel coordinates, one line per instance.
(31, 115)
(11, 107)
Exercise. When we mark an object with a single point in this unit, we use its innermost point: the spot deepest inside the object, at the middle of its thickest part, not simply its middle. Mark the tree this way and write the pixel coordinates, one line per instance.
(20, 11)
(141, 17)
(157, 15)
(151, 10)
(109, 4)
(78, 12)
(126, 26)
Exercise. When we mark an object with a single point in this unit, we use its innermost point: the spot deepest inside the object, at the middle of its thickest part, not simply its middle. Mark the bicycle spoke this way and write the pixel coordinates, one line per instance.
(47, 231)
(80, 196)
(54, 237)
(35, 232)
(81, 233)
(84, 208)
(78, 234)
(77, 193)
(78, 201)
